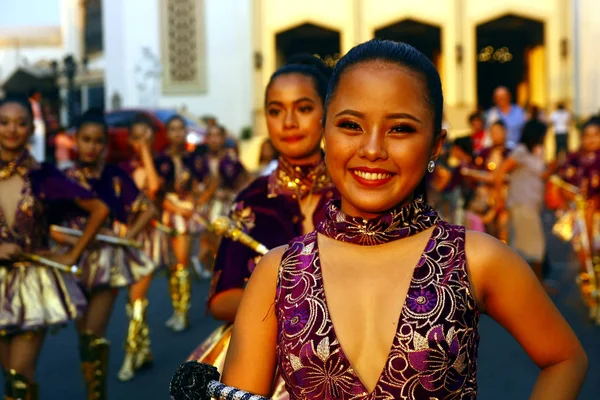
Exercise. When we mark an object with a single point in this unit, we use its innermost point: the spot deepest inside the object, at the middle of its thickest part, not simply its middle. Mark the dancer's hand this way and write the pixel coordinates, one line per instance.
(10, 251)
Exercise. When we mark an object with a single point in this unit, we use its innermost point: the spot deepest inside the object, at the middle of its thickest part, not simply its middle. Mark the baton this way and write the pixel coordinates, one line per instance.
(197, 381)
(53, 264)
(225, 226)
(100, 237)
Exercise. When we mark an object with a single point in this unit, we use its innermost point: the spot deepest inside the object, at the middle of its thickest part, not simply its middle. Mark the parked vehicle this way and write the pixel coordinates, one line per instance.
(118, 125)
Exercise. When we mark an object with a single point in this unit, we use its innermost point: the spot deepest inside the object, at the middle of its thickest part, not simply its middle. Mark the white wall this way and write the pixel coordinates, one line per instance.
(127, 31)
(24, 30)
(588, 63)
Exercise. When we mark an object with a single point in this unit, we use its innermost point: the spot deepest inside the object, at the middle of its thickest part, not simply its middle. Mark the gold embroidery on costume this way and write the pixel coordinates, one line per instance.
(298, 181)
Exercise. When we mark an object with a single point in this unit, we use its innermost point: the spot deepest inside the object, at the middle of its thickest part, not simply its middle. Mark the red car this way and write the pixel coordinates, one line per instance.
(118, 128)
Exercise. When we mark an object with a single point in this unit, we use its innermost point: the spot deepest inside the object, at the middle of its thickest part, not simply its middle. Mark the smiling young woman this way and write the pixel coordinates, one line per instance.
(383, 299)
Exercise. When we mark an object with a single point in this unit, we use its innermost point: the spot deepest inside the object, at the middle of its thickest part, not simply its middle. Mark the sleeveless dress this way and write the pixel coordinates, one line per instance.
(434, 351)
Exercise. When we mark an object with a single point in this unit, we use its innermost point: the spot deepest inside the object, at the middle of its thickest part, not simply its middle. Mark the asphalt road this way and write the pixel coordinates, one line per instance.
(505, 371)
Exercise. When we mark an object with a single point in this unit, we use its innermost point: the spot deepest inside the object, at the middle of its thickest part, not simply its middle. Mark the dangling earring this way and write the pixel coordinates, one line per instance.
(431, 166)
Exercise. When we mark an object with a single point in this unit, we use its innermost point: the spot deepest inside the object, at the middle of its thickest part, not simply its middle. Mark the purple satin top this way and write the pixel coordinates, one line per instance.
(271, 220)
(113, 186)
(582, 169)
(434, 352)
(46, 196)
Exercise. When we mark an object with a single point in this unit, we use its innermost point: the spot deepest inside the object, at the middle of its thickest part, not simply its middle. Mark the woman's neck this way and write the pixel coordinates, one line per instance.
(10, 155)
(92, 166)
(308, 160)
(353, 211)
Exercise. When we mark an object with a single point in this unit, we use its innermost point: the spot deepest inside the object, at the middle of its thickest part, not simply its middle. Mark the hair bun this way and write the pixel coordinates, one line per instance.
(311, 61)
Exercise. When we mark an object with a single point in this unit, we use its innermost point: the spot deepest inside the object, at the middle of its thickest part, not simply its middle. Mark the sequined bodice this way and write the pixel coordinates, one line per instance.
(434, 352)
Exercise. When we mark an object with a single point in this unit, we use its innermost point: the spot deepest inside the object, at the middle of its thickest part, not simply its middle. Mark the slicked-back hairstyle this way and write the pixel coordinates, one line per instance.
(92, 116)
(403, 55)
(307, 65)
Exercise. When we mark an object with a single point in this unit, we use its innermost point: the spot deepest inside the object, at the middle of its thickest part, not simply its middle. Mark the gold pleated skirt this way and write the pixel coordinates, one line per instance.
(114, 266)
(34, 297)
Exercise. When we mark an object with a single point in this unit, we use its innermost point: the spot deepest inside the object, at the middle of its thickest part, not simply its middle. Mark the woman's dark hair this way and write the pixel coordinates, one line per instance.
(500, 123)
(533, 134)
(267, 142)
(141, 119)
(465, 144)
(593, 121)
(20, 100)
(403, 55)
(92, 116)
(474, 116)
(176, 117)
(307, 65)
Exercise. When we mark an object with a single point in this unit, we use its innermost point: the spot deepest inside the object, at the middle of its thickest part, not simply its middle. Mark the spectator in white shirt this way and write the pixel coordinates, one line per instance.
(561, 121)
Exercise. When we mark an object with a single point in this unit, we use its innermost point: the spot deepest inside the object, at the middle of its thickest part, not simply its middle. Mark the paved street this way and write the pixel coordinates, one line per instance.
(505, 372)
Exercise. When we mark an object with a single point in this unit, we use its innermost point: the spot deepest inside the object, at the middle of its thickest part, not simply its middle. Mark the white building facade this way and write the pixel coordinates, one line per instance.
(215, 56)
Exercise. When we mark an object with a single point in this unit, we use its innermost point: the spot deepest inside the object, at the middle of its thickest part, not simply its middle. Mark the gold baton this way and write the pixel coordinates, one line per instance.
(74, 270)
(224, 226)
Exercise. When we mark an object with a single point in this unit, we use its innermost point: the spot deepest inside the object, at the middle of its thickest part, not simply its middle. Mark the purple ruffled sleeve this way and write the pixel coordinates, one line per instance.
(51, 186)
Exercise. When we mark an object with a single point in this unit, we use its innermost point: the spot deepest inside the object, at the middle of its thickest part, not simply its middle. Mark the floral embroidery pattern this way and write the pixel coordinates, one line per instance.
(243, 216)
(396, 224)
(435, 347)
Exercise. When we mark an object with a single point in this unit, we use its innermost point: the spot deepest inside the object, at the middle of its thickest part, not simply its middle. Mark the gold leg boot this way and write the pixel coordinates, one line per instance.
(181, 293)
(94, 364)
(17, 387)
(137, 344)
(143, 357)
(127, 371)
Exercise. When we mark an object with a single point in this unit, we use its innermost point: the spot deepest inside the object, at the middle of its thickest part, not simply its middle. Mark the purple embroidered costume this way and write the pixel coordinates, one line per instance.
(269, 211)
(435, 347)
(108, 265)
(35, 296)
(228, 169)
(179, 179)
(582, 169)
(155, 238)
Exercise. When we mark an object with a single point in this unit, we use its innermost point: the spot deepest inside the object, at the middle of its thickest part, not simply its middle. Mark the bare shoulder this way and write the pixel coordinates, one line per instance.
(491, 263)
(267, 269)
(482, 248)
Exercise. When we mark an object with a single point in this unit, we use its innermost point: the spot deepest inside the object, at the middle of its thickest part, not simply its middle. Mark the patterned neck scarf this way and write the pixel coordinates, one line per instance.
(299, 181)
(21, 166)
(398, 223)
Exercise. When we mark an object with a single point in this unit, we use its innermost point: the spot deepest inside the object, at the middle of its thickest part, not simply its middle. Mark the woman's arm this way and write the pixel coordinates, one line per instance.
(142, 220)
(506, 167)
(251, 359)
(211, 184)
(153, 179)
(508, 290)
(98, 212)
(224, 305)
